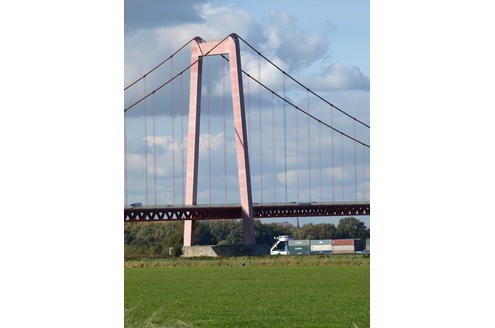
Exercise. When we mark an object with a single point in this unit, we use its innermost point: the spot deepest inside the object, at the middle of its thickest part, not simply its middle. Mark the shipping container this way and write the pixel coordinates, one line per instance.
(321, 242)
(298, 242)
(358, 245)
(342, 249)
(304, 249)
(321, 248)
(285, 245)
(343, 242)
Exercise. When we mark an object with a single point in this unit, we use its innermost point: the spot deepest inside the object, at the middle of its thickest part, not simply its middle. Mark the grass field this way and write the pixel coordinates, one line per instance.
(248, 293)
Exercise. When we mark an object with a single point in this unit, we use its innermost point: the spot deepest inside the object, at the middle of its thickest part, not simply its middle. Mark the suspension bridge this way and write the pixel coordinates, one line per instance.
(218, 130)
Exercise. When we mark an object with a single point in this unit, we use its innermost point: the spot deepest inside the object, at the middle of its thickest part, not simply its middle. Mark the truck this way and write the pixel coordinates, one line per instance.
(286, 245)
(280, 247)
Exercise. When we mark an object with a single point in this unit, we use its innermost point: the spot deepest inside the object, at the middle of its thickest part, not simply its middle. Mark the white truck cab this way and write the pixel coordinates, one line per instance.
(281, 246)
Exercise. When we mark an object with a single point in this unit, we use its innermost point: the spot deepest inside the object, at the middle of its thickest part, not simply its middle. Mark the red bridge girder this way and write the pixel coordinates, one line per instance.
(219, 212)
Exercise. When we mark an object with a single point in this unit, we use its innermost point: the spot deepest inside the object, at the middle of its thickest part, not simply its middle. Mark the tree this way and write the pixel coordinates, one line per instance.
(351, 227)
(203, 234)
(316, 231)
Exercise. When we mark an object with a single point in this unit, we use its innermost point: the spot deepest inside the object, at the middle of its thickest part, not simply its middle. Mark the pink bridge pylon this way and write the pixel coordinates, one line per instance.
(200, 48)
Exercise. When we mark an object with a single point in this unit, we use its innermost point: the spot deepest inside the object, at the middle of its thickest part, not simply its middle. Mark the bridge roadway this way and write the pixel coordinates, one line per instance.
(152, 213)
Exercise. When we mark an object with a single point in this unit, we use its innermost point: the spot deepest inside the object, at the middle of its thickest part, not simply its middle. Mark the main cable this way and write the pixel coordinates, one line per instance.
(300, 84)
(175, 76)
(306, 113)
(301, 110)
(158, 65)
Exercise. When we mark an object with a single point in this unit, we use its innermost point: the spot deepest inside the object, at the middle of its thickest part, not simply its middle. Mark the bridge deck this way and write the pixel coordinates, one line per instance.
(216, 212)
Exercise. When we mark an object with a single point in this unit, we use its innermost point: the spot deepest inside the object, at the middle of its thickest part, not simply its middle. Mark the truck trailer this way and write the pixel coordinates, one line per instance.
(286, 245)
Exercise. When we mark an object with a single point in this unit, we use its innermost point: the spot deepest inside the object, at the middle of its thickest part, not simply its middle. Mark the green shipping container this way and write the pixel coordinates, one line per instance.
(299, 249)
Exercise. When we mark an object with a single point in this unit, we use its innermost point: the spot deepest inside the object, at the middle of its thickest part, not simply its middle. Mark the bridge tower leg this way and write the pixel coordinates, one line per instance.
(230, 47)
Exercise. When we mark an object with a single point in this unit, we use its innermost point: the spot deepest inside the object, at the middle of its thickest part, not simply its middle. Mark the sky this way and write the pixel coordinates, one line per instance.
(325, 45)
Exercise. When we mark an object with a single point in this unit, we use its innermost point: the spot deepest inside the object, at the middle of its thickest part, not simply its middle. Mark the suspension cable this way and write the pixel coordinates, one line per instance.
(224, 110)
(299, 83)
(260, 130)
(366, 168)
(249, 114)
(274, 148)
(305, 112)
(208, 99)
(309, 149)
(172, 109)
(181, 109)
(297, 157)
(154, 146)
(298, 108)
(319, 161)
(355, 162)
(285, 137)
(175, 76)
(342, 165)
(126, 188)
(158, 65)
(363, 155)
(332, 164)
(145, 145)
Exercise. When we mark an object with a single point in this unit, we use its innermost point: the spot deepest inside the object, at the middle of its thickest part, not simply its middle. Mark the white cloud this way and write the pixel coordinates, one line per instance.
(136, 165)
(223, 21)
(282, 41)
(340, 77)
(210, 142)
(166, 143)
(296, 47)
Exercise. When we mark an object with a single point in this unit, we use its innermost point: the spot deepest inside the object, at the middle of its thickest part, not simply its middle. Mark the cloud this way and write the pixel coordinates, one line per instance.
(222, 21)
(340, 77)
(213, 143)
(147, 46)
(295, 46)
(282, 40)
(166, 143)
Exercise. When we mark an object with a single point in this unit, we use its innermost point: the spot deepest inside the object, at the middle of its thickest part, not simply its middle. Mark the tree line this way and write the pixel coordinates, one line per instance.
(163, 239)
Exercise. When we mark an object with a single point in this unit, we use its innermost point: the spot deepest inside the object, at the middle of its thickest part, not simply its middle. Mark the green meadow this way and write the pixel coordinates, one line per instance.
(308, 291)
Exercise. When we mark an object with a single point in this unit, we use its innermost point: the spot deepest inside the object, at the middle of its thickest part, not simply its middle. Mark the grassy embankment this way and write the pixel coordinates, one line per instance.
(291, 291)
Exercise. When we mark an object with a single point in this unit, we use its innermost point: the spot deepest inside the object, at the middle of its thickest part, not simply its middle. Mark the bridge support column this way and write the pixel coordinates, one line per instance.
(230, 47)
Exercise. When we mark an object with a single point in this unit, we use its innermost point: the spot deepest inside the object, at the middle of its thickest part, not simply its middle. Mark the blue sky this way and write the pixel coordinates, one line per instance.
(346, 23)
(324, 44)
